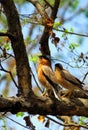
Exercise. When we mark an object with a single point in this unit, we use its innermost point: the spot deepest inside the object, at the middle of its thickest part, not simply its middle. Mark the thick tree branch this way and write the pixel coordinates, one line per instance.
(22, 66)
(8, 34)
(76, 106)
(45, 37)
(55, 9)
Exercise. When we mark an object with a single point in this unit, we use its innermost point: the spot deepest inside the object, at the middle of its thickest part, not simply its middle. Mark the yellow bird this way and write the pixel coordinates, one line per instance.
(46, 75)
(67, 80)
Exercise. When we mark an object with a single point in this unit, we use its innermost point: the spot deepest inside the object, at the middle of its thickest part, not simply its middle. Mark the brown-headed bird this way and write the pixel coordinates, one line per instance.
(67, 80)
(46, 75)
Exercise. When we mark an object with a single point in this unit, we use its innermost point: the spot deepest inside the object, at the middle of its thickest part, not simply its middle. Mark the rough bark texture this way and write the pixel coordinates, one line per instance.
(44, 46)
(22, 66)
(28, 102)
(70, 107)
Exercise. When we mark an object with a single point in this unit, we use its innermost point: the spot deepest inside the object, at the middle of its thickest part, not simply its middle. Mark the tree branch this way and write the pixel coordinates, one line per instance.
(16, 122)
(9, 72)
(45, 37)
(73, 33)
(44, 40)
(40, 9)
(70, 107)
(22, 65)
(69, 124)
(49, 5)
(7, 34)
(85, 76)
(55, 9)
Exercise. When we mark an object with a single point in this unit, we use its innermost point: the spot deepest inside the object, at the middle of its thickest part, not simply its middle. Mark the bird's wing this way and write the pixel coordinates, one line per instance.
(71, 78)
(51, 78)
(49, 73)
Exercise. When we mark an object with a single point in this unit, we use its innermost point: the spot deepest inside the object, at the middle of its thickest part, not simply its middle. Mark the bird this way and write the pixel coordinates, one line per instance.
(67, 80)
(46, 76)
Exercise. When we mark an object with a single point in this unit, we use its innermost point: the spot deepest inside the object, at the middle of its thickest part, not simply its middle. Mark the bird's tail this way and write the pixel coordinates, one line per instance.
(55, 87)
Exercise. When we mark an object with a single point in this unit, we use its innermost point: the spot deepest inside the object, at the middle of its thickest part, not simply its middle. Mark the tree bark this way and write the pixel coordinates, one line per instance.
(45, 106)
(18, 46)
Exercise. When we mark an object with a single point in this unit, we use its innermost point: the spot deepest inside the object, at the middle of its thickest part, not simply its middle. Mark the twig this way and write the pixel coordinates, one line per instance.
(67, 125)
(63, 62)
(35, 79)
(48, 4)
(68, 32)
(36, 82)
(2, 69)
(85, 77)
(8, 34)
(16, 122)
(39, 8)
(67, 63)
(28, 15)
(10, 55)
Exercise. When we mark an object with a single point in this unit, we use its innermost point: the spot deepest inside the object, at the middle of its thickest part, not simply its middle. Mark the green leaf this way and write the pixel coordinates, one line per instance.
(73, 46)
(66, 30)
(33, 58)
(82, 120)
(7, 46)
(24, 21)
(20, 114)
(81, 123)
(56, 25)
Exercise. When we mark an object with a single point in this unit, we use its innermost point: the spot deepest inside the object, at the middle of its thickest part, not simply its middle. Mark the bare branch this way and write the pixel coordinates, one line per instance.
(67, 125)
(16, 122)
(48, 4)
(40, 9)
(2, 69)
(68, 32)
(55, 9)
(78, 34)
(10, 55)
(8, 34)
(36, 81)
(85, 77)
